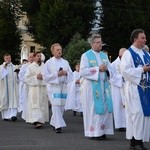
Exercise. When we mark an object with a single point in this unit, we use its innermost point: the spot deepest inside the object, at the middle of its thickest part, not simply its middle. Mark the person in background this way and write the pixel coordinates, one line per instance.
(24, 61)
(117, 85)
(23, 88)
(74, 99)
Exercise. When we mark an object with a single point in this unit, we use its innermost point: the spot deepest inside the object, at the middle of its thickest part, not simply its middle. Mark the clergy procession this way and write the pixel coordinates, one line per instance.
(109, 96)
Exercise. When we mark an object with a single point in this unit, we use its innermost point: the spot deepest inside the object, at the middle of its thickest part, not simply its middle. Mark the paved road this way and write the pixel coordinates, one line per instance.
(22, 136)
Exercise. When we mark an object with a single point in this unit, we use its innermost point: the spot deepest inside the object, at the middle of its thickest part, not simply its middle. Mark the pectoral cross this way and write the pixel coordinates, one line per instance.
(97, 94)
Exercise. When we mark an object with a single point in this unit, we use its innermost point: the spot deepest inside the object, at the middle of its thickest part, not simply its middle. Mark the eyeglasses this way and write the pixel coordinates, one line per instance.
(99, 42)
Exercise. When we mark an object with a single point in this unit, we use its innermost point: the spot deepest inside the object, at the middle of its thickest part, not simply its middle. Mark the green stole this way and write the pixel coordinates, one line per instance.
(96, 86)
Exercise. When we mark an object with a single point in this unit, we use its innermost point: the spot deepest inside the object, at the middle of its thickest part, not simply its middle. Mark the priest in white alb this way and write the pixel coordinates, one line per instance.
(9, 89)
(135, 68)
(95, 91)
(37, 111)
(57, 73)
(23, 87)
(118, 97)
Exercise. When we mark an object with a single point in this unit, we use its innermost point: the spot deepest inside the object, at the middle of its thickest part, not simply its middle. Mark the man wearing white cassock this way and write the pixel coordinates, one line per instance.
(23, 88)
(95, 91)
(118, 98)
(57, 73)
(135, 68)
(8, 89)
(37, 103)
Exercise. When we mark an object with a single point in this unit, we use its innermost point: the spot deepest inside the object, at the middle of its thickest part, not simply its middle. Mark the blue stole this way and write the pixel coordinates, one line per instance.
(96, 86)
(144, 86)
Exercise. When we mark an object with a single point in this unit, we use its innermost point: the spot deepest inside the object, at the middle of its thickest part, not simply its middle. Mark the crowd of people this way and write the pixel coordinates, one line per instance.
(107, 95)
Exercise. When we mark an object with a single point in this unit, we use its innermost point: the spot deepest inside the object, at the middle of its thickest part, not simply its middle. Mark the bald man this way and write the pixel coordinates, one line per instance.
(118, 97)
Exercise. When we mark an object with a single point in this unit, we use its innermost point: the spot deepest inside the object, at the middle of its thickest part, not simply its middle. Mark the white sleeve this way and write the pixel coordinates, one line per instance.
(115, 79)
(128, 70)
(3, 72)
(22, 72)
(70, 76)
(31, 79)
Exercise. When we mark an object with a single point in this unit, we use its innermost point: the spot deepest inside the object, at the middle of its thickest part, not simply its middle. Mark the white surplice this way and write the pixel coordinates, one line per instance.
(23, 90)
(136, 123)
(8, 91)
(57, 84)
(73, 99)
(95, 125)
(117, 95)
(37, 103)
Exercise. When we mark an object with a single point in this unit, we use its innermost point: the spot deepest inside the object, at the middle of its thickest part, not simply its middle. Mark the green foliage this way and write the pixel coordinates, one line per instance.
(53, 21)
(120, 18)
(76, 47)
(10, 38)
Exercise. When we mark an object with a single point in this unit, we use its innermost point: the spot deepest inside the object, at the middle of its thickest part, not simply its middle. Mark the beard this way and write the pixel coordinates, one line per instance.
(39, 62)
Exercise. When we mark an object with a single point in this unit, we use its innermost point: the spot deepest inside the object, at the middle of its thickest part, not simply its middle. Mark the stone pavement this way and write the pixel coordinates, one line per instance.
(22, 136)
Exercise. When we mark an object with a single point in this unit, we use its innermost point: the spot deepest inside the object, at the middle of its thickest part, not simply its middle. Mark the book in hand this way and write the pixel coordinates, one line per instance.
(107, 73)
(60, 68)
(17, 70)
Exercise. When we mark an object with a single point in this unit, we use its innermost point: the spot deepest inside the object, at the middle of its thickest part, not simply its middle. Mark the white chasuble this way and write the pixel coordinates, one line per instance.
(9, 87)
(37, 103)
(95, 125)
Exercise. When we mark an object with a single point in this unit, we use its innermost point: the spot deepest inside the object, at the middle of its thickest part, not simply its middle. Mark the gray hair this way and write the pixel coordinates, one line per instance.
(93, 37)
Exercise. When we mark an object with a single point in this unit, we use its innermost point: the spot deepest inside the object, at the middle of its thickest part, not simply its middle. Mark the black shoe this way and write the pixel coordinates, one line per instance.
(35, 123)
(122, 129)
(132, 143)
(13, 118)
(38, 126)
(58, 130)
(5, 119)
(74, 113)
(95, 138)
(140, 145)
(103, 137)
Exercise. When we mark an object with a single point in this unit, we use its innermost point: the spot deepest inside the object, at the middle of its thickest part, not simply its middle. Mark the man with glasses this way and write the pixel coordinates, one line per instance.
(95, 91)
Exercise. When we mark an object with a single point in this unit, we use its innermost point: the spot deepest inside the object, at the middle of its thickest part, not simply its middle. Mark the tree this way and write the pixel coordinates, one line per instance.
(119, 19)
(10, 38)
(53, 21)
(76, 47)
